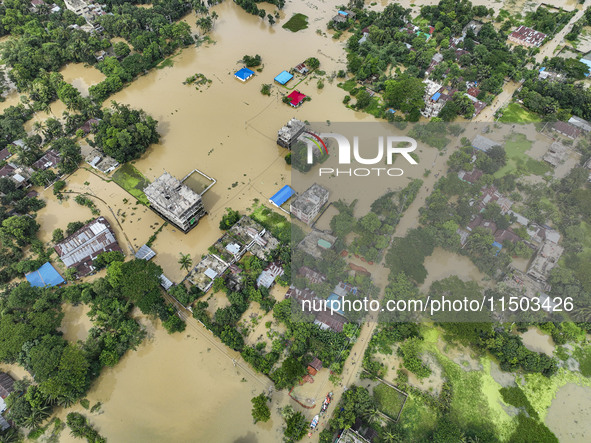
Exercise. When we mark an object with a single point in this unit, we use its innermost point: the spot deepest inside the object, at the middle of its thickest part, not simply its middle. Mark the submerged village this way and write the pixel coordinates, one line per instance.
(163, 237)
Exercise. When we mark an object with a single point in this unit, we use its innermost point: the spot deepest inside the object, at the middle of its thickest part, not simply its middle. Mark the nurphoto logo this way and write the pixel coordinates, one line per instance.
(388, 147)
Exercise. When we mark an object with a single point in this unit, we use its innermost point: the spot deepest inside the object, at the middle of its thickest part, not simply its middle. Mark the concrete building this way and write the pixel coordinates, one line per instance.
(81, 248)
(547, 257)
(288, 135)
(307, 205)
(527, 37)
(269, 274)
(175, 202)
(555, 154)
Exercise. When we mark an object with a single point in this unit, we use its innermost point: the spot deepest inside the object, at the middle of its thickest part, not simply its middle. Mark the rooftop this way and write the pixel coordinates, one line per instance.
(483, 143)
(243, 74)
(283, 77)
(83, 246)
(310, 198)
(282, 195)
(296, 98)
(528, 36)
(167, 192)
(46, 275)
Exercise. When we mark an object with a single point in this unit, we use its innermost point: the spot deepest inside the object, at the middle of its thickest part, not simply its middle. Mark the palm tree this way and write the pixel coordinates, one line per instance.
(372, 415)
(185, 261)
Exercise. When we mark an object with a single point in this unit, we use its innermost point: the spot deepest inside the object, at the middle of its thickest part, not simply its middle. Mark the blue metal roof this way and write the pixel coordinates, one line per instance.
(436, 96)
(283, 77)
(334, 303)
(46, 275)
(244, 74)
(282, 196)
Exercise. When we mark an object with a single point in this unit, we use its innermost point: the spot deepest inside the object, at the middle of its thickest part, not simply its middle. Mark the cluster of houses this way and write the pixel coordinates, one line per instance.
(89, 10)
(21, 174)
(295, 98)
(542, 239)
(80, 249)
(245, 236)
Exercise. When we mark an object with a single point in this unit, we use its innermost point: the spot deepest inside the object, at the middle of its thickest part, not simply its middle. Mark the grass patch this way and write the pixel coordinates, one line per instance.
(515, 113)
(374, 108)
(348, 85)
(296, 23)
(517, 159)
(276, 223)
(388, 400)
(419, 419)
(133, 181)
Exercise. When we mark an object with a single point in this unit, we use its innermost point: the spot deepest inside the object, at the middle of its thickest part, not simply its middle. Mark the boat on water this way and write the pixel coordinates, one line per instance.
(326, 402)
(314, 422)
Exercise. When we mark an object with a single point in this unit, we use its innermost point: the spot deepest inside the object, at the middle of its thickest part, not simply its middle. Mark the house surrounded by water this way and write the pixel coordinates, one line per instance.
(307, 205)
(289, 134)
(176, 202)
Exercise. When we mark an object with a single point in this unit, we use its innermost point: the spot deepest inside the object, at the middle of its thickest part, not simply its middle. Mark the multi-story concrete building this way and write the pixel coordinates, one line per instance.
(175, 201)
(307, 205)
(288, 135)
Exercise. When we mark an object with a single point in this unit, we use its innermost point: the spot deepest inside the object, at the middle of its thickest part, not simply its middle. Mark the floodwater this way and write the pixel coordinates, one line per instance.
(82, 77)
(569, 415)
(442, 264)
(76, 323)
(537, 341)
(178, 388)
(186, 387)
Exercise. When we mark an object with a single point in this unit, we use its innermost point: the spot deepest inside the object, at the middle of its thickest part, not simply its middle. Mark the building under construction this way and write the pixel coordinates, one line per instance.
(175, 201)
(289, 134)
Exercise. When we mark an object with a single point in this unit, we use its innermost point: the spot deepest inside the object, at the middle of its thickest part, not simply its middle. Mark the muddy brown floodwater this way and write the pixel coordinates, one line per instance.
(569, 415)
(442, 264)
(82, 77)
(76, 323)
(535, 340)
(186, 387)
(178, 388)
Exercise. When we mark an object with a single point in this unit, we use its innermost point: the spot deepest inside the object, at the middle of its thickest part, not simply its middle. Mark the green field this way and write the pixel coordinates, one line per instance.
(133, 181)
(518, 161)
(515, 113)
(388, 400)
(296, 23)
